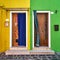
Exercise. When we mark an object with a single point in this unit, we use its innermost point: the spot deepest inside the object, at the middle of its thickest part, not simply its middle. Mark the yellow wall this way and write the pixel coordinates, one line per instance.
(0, 29)
(29, 29)
(5, 31)
(16, 3)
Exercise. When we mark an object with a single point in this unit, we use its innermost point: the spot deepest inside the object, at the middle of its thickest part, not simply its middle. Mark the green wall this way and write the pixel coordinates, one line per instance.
(48, 5)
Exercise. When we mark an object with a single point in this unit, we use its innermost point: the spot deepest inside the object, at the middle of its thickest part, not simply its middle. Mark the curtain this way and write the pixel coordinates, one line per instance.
(22, 29)
(36, 25)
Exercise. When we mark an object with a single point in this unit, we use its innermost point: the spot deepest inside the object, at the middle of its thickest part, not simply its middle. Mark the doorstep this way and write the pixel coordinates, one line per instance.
(17, 51)
(24, 51)
(42, 50)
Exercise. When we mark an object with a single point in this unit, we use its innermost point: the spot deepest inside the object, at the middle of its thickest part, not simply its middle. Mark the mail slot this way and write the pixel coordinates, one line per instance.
(56, 27)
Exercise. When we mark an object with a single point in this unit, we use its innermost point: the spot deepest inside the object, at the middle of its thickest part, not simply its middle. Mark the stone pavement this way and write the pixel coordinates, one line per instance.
(29, 57)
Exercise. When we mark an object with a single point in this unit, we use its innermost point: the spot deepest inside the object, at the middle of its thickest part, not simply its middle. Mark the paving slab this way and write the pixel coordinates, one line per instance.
(29, 57)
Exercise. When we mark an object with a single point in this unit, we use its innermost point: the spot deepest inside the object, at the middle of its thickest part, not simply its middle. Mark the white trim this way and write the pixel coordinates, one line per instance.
(10, 29)
(49, 40)
(11, 25)
(33, 28)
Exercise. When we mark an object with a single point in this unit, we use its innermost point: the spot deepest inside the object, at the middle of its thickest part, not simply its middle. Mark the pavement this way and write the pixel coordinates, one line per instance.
(29, 57)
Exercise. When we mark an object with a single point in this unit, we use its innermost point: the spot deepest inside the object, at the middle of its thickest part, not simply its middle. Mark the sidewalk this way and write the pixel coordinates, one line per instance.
(29, 57)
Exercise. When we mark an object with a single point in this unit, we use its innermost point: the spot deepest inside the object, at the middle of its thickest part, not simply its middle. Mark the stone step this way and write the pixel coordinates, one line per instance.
(42, 52)
(24, 48)
(17, 52)
(41, 48)
(18, 48)
(27, 52)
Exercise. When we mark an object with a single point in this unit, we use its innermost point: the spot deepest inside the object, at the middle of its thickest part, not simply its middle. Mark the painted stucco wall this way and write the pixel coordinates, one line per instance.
(15, 3)
(4, 32)
(42, 5)
(48, 5)
(4, 14)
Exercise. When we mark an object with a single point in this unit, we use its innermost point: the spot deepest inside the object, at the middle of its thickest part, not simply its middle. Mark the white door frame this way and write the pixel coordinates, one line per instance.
(11, 26)
(49, 40)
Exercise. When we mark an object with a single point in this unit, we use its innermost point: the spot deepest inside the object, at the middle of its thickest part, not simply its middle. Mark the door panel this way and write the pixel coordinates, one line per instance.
(22, 29)
(43, 28)
(14, 29)
(19, 29)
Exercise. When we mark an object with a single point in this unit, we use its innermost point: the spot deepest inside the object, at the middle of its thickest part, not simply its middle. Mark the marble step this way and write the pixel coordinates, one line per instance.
(37, 52)
(18, 48)
(17, 52)
(41, 48)
(27, 52)
(24, 48)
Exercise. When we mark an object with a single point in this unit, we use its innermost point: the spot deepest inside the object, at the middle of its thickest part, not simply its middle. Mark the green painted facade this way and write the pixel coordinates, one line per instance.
(52, 6)
(40, 5)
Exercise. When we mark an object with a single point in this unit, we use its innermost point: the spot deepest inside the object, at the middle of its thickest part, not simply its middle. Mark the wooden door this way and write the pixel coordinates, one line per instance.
(19, 29)
(43, 28)
(14, 29)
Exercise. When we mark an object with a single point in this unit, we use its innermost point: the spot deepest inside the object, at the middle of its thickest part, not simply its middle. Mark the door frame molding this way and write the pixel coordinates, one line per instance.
(49, 34)
(11, 26)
